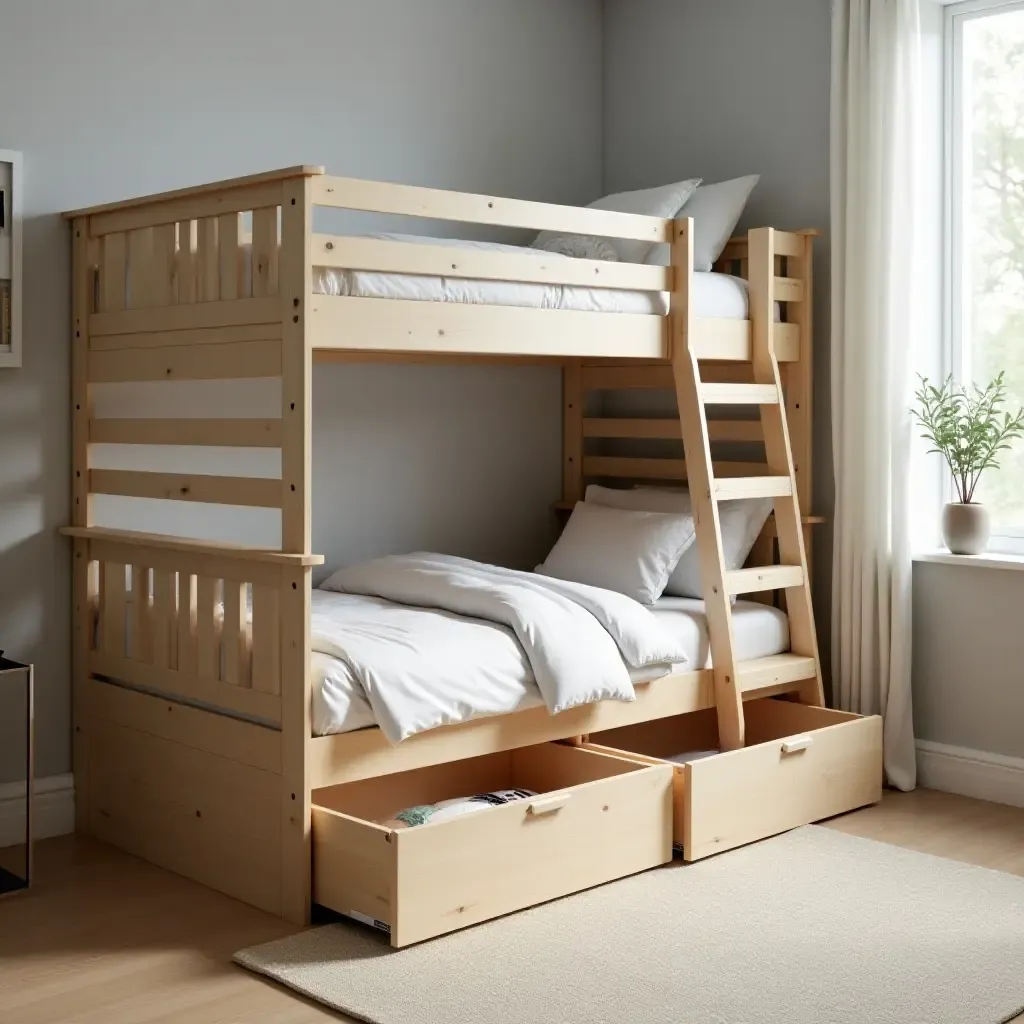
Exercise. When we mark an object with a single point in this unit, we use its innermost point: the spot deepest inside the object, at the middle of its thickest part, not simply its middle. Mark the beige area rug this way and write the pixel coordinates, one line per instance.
(813, 927)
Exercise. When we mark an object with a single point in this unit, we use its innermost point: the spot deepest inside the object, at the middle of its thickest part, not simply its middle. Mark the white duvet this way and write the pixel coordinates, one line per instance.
(445, 623)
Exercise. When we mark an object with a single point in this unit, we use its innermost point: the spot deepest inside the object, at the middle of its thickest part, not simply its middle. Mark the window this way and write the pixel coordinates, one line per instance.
(985, 147)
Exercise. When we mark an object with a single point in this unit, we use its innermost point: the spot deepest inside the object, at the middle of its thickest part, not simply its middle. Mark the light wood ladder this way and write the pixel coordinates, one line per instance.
(799, 670)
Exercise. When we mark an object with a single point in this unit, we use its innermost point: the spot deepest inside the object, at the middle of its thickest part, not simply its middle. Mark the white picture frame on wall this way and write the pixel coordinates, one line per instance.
(10, 255)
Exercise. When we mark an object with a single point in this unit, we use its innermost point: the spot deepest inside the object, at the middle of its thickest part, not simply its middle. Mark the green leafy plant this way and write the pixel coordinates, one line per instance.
(967, 427)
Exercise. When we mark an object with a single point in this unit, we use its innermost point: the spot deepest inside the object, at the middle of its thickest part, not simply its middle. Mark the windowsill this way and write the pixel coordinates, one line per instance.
(991, 560)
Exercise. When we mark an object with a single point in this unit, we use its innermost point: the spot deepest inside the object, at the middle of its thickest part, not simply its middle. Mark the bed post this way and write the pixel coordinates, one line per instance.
(84, 581)
(697, 450)
(572, 431)
(295, 287)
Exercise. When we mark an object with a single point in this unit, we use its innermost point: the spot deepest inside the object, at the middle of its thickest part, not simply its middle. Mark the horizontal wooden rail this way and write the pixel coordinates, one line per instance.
(241, 700)
(726, 338)
(538, 267)
(215, 490)
(469, 208)
(788, 289)
(739, 394)
(776, 669)
(400, 325)
(192, 338)
(770, 577)
(787, 243)
(187, 546)
(753, 487)
(222, 433)
(630, 468)
(198, 315)
(669, 429)
(238, 360)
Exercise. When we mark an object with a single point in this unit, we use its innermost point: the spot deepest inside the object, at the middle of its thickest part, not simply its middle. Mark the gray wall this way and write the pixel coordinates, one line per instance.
(722, 89)
(969, 657)
(120, 97)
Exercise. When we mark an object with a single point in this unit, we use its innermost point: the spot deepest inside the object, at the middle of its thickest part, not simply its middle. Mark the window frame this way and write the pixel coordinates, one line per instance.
(1008, 540)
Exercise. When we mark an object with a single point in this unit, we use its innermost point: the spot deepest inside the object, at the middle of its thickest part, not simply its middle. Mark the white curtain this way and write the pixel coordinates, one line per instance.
(875, 131)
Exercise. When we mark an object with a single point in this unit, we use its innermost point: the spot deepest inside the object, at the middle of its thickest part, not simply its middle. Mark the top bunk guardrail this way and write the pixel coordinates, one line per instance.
(183, 262)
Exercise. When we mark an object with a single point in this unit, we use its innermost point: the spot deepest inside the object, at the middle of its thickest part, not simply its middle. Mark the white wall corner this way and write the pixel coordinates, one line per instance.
(54, 809)
(974, 773)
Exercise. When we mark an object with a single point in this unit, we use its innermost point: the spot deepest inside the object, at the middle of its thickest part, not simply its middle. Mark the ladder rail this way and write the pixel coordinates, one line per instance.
(762, 284)
(697, 451)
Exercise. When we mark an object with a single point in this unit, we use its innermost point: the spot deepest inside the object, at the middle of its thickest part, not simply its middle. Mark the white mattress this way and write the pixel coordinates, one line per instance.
(339, 704)
(712, 295)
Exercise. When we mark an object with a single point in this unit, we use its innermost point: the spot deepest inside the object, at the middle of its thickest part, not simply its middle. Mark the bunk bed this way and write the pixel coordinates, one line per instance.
(194, 744)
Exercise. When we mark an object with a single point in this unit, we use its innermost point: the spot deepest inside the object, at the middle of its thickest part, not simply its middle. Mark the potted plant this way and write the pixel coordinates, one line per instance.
(968, 428)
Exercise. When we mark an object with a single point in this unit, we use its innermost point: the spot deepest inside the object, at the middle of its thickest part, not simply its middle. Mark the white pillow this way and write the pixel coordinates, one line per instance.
(581, 247)
(664, 201)
(716, 210)
(627, 551)
(741, 521)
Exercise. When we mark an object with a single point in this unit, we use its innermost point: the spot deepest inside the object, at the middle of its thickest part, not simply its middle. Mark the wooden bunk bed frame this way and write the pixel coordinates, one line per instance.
(193, 744)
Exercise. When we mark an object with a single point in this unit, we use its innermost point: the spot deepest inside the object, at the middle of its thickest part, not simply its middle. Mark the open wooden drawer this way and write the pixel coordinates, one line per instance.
(596, 817)
(800, 764)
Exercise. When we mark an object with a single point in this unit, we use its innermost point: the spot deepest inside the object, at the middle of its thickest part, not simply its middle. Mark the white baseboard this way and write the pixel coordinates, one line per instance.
(974, 773)
(54, 809)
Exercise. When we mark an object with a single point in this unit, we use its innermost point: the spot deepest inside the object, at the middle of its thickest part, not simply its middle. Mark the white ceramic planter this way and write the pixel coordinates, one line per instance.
(965, 528)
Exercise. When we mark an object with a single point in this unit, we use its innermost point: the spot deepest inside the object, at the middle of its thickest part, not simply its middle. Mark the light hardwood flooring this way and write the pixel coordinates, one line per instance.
(107, 939)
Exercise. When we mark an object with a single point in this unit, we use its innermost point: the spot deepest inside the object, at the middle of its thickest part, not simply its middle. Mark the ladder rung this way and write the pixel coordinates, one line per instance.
(739, 394)
(738, 487)
(769, 577)
(775, 670)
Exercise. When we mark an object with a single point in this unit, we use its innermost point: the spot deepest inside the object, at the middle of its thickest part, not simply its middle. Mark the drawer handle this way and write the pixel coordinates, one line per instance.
(548, 804)
(797, 743)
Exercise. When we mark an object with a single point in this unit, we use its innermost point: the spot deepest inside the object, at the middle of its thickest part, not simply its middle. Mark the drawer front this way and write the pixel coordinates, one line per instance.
(745, 795)
(612, 818)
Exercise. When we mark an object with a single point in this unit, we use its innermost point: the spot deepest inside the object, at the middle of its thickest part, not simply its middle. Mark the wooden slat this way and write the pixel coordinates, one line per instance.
(726, 339)
(186, 261)
(215, 204)
(789, 289)
(402, 326)
(240, 360)
(669, 429)
(240, 699)
(207, 262)
(775, 670)
(739, 394)
(752, 487)
(186, 624)
(441, 261)
(140, 251)
(772, 577)
(467, 208)
(222, 550)
(222, 735)
(112, 273)
(206, 628)
(142, 646)
(164, 597)
(628, 467)
(229, 257)
(216, 490)
(233, 634)
(202, 315)
(194, 338)
(264, 252)
(114, 624)
(266, 639)
(216, 432)
(279, 174)
(161, 269)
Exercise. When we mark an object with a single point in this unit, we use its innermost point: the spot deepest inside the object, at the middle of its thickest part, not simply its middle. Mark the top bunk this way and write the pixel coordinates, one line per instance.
(238, 262)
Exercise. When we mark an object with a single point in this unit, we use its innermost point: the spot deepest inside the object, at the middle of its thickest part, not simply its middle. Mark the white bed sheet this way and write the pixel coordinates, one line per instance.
(712, 295)
(340, 705)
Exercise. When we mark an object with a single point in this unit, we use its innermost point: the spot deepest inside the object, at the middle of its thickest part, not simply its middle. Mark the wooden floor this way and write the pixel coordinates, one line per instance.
(108, 939)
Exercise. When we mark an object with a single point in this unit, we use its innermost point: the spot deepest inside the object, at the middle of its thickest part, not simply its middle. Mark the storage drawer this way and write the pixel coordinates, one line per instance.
(800, 764)
(596, 817)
